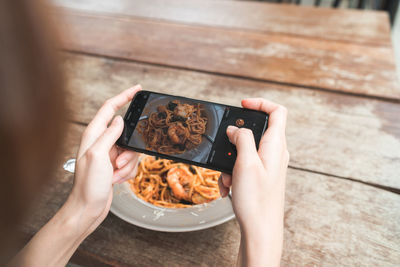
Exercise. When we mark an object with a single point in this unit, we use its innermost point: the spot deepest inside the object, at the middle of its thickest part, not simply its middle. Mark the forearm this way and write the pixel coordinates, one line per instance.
(261, 248)
(55, 243)
(240, 258)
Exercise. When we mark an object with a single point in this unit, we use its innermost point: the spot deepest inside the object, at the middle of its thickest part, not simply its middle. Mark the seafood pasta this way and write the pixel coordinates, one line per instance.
(166, 183)
(174, 128)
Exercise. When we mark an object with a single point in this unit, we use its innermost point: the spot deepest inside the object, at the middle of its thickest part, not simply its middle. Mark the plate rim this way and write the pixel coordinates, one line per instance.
(175, 229)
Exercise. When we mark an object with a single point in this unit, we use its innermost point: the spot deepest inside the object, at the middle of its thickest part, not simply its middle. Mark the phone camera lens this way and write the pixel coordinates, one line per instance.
(239, 122)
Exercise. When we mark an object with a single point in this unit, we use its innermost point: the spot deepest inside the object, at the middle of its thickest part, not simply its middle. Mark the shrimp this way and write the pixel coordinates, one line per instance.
(177, 179)
(183, 110)
(198, 198)
(162, 109)
(177, 133)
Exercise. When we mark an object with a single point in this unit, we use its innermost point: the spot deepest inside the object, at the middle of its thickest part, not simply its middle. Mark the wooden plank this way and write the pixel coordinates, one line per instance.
(317, 64)
(341, 135)
(328, 221)
(364, 27)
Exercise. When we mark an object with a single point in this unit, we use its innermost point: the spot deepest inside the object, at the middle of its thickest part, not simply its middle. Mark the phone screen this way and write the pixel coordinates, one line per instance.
(188, 130)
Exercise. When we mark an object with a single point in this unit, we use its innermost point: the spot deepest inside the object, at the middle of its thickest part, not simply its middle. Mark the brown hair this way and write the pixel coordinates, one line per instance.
(31, 108)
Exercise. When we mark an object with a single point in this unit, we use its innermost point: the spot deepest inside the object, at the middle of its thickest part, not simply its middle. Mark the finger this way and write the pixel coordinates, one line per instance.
(260, 104)
(112, 105)
(99, 123)
(243, 139)
(123, 180)
(226, 179)
(125, 157)
(106, 141)
(274, 139)
(129, 171)
(277, 113)
(125, 172)
(223, 191)
(113, 156)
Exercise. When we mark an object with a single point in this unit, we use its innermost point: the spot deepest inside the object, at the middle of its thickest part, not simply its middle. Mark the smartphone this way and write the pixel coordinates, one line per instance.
(187, 130)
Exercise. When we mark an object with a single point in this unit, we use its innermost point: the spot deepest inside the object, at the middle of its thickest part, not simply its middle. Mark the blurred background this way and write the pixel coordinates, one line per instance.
(391, 6)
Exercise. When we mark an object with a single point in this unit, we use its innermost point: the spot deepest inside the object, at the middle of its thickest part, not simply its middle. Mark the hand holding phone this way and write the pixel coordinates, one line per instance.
(100, 163)
(258, 186)
(187, 130)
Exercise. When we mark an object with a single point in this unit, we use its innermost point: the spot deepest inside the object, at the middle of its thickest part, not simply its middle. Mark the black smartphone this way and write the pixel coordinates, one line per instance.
(187, 130)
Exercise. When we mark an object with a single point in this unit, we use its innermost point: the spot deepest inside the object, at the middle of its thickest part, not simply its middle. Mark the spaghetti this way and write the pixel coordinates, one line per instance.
(166, 183)
(174, 128)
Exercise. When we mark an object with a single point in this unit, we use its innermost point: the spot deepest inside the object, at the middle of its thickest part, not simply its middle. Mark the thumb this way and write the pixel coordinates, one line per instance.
(243, 139)
(110, 135)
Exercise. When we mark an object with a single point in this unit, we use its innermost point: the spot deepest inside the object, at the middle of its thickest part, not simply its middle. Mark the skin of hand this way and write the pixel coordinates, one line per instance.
(258, 186)
(99, 165)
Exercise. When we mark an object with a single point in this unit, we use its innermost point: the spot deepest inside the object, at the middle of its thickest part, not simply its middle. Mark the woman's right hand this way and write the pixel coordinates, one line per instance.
(258, 185)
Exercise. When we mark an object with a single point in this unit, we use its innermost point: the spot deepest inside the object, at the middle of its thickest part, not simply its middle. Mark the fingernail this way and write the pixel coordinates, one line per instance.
(231, 128)
(223, 179)
(121, 163)
(120, 181)
(116, 178)
(118, 119)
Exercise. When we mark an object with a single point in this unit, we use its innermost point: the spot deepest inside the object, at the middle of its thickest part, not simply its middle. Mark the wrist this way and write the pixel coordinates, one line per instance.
(75, 217)
(262, 246)
(59, 238)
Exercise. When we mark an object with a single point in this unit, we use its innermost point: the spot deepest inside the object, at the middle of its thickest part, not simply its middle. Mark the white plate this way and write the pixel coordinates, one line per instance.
(134, 210)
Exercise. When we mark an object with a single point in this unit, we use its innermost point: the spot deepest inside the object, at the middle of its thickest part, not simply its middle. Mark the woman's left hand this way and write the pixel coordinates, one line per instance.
(100, 163)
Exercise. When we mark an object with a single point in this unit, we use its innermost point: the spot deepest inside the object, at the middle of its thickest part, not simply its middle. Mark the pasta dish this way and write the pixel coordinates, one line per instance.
(166, 183)
(174, 128)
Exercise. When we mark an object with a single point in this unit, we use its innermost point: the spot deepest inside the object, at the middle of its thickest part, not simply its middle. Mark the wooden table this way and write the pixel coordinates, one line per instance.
(333, 69)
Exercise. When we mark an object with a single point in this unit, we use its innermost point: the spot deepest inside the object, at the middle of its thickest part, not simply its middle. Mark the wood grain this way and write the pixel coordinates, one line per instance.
(364, 27)
(317, 64)
(327, 222)
(340, 135)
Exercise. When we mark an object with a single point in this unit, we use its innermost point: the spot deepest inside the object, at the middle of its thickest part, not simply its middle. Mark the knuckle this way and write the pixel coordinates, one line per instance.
(283, 109)
(92, 153)
(87, 134)
(287, 155)
(108, 102)
(130, 155)
(113, 129)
